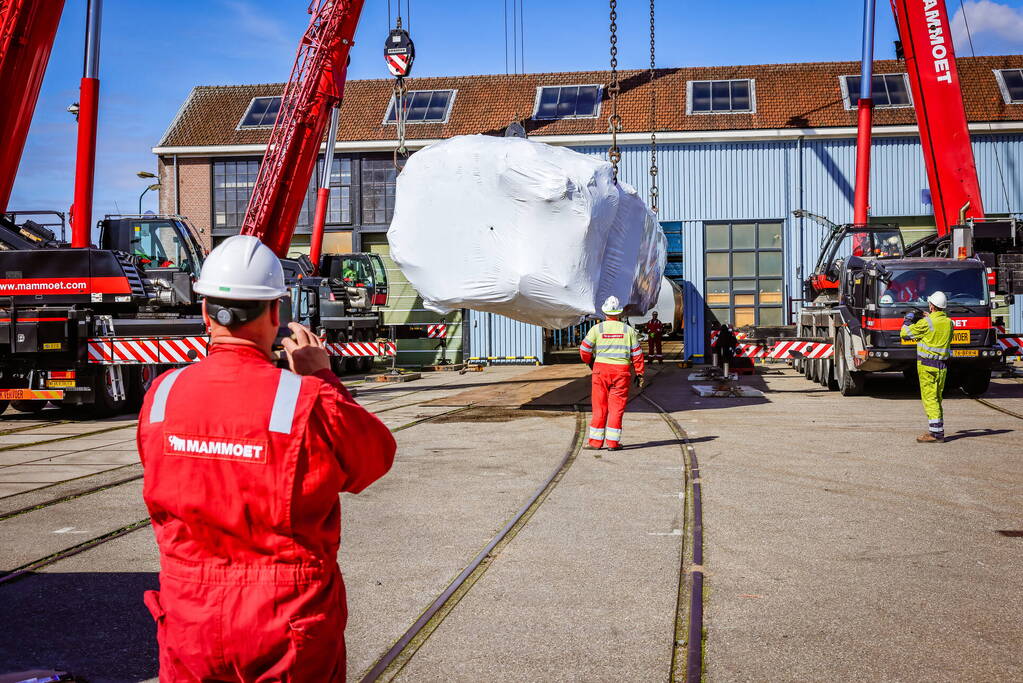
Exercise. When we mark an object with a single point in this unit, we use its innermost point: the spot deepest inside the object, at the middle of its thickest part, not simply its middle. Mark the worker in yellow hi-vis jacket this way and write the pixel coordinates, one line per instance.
(611, 348)
(933, 337)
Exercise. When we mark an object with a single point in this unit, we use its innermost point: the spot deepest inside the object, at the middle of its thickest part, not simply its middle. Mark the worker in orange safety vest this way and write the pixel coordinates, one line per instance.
(655, 336)
(243, 463)
(612, 349)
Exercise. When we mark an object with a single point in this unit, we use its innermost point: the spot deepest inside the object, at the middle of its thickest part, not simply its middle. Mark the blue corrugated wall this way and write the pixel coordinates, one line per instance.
(496, 335)
(719, 181)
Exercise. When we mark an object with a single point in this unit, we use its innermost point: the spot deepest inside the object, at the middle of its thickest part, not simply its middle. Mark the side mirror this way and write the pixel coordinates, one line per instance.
(1010, 299)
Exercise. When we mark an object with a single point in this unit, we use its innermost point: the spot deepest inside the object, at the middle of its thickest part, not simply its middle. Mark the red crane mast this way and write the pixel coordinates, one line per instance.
(316, 85)
(27, 32)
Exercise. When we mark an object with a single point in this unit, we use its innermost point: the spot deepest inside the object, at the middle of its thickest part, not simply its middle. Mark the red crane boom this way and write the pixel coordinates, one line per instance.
(940, 113)
(27, 32)
(316, 85)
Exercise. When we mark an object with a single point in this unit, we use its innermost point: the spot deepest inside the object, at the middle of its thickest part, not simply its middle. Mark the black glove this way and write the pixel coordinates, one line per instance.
(909, 319)
(639, 381)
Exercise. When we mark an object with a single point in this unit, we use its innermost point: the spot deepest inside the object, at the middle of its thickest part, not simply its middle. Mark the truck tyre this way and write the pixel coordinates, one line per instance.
(976, 384)
(103, 402)
(831, 375)
(850, 383)
(3, 406)
(807, 367)
(909, 374)
(797, 364)
(142, 377)
(29, 406)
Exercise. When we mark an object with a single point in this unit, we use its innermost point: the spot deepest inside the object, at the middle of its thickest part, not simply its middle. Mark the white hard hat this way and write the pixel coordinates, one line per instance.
(244, 269)
(938, 299)
(612, 306)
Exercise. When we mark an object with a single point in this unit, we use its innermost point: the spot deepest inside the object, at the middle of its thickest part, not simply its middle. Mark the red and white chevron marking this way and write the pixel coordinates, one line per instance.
(146, 350)
(361, 349)
(398, 65)
(1013, 346)
(783, 349)
(436, 331)
(750, 351)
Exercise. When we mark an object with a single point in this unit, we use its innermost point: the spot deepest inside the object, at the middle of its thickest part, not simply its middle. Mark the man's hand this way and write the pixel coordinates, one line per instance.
(639, 381)
(909, 319)
(306, 355)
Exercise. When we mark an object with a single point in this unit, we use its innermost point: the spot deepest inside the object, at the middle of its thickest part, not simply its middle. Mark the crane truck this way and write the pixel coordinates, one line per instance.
(93, 325)
(866, 279)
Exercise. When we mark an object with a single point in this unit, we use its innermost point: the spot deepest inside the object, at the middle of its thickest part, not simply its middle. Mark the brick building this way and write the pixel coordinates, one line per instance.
(740, 148)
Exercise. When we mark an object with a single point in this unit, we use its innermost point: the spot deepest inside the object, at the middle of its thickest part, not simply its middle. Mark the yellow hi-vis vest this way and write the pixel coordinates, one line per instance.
(933, 336)
(613, 342)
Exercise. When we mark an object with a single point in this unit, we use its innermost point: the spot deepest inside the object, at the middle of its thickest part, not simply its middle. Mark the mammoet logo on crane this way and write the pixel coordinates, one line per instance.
(216, 448)
(937, 26)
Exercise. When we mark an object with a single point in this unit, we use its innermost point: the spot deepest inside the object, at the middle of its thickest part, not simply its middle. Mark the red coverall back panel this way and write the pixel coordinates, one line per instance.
(243, 466)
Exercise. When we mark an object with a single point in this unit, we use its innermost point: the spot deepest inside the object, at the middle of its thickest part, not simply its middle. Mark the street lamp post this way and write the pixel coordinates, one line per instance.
(154, 186)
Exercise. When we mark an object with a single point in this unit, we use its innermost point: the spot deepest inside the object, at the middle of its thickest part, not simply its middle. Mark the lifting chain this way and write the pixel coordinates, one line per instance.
(400, 117)
(654, 191)
(614, 122)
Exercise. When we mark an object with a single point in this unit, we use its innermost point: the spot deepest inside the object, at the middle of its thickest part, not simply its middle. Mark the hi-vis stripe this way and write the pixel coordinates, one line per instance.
(182, 350)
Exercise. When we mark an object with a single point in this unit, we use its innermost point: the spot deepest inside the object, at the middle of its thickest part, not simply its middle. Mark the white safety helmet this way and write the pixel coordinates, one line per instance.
(938, 299)
(243, 269)
(612, 306)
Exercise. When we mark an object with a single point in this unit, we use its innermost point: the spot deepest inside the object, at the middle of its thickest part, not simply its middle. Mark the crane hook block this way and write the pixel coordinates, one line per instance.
(400, 52)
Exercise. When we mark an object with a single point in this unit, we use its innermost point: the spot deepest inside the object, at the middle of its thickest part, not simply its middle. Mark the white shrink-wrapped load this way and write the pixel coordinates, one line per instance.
(536, 233)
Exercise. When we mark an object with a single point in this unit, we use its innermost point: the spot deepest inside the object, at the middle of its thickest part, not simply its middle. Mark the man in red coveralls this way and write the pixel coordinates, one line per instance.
(243, 466)
(655, 336)
(612, 349)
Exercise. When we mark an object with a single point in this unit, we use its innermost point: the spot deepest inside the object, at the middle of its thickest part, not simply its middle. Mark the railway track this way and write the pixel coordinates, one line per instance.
(687, 657)
(399, 654)
(29, 567)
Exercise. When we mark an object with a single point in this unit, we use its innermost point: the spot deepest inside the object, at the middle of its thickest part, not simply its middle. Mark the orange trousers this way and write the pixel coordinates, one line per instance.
(609, 394)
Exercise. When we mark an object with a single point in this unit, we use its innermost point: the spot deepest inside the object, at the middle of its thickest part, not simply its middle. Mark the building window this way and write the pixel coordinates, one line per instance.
(378, 179)
(722, 97)
(339, 205)
(567, 102)
(890, 90)
(262, 112)
(743, 270)
(233, 181)
(1010, 81)
(424, 106)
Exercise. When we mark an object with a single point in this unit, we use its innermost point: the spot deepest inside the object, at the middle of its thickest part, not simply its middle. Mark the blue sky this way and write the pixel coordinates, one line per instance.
(154, 52)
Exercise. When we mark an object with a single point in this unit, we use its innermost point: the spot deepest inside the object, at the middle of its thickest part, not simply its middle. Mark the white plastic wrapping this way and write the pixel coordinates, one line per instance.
(536, 233)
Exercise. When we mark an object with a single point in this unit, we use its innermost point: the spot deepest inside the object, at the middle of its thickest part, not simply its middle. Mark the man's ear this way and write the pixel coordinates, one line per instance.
(275, 313)
(205, 315)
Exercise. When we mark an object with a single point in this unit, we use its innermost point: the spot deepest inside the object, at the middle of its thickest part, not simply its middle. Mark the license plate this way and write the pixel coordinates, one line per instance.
(961, 337)
(59, 383)
(30, 395)
(966, 353)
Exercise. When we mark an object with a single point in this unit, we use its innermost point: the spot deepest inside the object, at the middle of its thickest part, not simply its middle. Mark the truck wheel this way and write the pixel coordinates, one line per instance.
(850, 383)
(103, 402)
(142, 377)
(3, 406)
(975, 384)
(797, 364)
(29, 406)
(807, 367)
(909, 374)
(831, 379)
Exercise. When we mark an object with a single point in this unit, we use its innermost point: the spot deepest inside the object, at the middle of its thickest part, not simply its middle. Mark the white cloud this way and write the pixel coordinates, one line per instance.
(989, 22)
(259, 26)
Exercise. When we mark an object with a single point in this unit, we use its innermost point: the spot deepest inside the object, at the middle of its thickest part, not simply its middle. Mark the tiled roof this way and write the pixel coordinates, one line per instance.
(805, 95)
